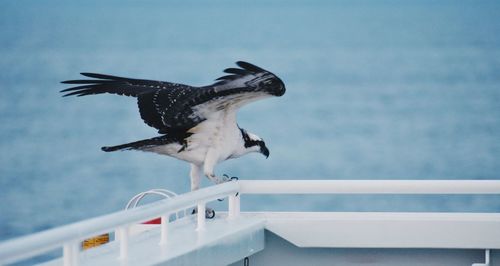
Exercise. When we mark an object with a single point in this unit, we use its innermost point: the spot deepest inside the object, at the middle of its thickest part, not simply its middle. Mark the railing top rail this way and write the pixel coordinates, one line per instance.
(370, 187)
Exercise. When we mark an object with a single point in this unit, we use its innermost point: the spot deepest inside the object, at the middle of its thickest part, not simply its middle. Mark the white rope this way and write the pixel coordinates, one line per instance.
(134, 201)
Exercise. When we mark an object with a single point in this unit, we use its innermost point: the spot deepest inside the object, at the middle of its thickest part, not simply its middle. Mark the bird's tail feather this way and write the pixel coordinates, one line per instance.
(140, 145)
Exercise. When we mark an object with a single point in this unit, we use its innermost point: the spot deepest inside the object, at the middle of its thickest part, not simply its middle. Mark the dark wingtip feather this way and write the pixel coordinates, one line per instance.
(67, 94)
(108, 149)
(249, 67)
(77, 93)
(102, 76)
(227, 77)
(237, 71)
(94, 75)
(85, 81)
(76, 88)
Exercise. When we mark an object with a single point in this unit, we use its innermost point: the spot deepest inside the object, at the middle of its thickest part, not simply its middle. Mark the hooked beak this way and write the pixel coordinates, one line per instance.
(264, 150)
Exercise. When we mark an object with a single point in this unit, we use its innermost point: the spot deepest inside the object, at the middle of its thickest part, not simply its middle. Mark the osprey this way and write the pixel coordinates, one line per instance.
(196, 124)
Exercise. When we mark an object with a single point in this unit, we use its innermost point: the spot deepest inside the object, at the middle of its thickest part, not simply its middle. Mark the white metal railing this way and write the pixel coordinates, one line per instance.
(69, 237)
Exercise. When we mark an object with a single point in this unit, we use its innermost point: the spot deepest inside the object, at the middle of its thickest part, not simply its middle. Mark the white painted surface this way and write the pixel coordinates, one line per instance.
(279, 252)
(31, 245)
(386, 230)
(184, 240)
(370, 186)
(400, 230)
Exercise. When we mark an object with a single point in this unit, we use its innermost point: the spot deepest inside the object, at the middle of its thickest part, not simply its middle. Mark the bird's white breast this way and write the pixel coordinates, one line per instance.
(218, 133)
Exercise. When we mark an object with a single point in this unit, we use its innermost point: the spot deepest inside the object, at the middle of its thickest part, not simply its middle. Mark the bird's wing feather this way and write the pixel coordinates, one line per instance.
(170, 106)
(210, 101)
(115, 85)
(157, 107)
(184, 108)
(153, 97)
(229, 93)
(175, 137)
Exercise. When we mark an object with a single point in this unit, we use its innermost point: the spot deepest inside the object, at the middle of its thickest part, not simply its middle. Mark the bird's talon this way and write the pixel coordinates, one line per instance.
(227, 178)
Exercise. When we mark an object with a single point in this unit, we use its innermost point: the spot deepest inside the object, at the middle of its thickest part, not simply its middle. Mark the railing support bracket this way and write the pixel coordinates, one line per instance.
(486, 259)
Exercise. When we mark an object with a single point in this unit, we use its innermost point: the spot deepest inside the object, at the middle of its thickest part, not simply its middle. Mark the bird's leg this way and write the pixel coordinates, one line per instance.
(208, 168)
(217, 180)
(195, 177)
(195, 185)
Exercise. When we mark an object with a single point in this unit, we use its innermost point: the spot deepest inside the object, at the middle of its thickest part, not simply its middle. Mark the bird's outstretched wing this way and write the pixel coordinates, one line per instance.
(154, 98)
(170, 106)
(243, 85)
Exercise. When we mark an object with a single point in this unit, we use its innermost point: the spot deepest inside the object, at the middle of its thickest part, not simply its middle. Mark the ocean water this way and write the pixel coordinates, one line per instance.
(375, 90)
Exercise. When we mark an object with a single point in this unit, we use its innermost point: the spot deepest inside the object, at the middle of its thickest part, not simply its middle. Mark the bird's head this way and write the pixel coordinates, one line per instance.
(254, 143)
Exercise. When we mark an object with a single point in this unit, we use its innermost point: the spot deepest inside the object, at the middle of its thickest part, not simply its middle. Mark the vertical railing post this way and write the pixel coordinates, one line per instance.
(201, 216)
(124, 234)
(234, 206)
(237, 205)
(70, 254)
(164, 229)
(67, 255)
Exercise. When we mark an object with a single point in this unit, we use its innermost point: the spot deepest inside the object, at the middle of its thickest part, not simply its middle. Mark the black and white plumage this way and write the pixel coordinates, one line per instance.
(197, 124)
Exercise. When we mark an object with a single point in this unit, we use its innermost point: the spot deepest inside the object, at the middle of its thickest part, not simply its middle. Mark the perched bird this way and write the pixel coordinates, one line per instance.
(197, 124)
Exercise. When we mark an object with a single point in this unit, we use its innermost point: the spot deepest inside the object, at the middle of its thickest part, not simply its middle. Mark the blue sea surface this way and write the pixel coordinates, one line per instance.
(375, 90)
